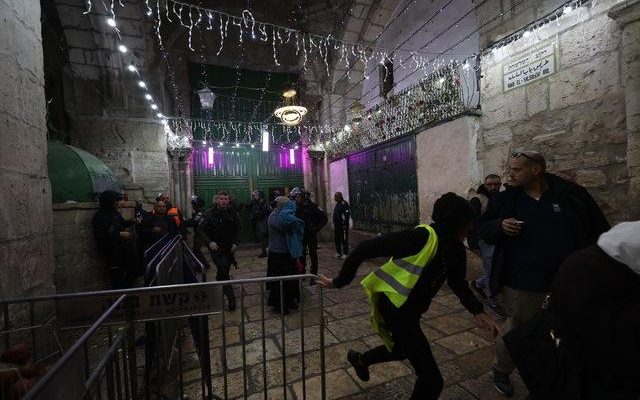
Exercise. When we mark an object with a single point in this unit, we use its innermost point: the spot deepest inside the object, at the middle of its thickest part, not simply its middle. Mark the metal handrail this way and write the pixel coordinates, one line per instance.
(155, 288)
(72, 351)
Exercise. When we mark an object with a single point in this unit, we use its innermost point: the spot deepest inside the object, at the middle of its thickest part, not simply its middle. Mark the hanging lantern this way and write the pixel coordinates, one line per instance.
(206, 98)
(290, 114)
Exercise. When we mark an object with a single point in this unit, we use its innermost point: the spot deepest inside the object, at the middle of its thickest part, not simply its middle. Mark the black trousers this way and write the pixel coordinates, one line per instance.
(310, 246)
(341, 235)
(281, 264)
(222, 260)
(409, 343)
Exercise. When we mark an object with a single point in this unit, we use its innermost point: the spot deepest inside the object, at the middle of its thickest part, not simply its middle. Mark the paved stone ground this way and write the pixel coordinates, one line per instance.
(463, 352)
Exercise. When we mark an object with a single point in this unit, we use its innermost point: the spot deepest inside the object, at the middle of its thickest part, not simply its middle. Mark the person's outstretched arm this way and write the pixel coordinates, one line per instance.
(397, 245)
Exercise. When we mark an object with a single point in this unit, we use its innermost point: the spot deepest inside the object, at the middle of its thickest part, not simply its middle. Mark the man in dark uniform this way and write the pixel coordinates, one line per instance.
(220, 231)
(314, 220)
(115, 242)
(401, 290)
(341, 216)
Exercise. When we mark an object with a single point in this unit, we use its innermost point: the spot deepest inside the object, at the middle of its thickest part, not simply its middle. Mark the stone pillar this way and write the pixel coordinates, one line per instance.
(26, 236)
(627, 16)
(181, 178)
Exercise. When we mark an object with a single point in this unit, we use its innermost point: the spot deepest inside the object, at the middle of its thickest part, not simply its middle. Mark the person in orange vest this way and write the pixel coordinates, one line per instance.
(172, 211)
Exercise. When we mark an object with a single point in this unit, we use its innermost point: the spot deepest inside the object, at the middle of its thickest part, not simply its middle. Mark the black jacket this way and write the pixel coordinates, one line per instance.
(258, 210)
(584, 218)
(220, 226)
(449, 263)
(314, 218)
(341, 214)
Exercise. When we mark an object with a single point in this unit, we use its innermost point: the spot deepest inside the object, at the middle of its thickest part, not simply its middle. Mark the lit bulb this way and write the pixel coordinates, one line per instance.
(159, 115)
(295, 147)
(253, 146)
(441, 80)
(147, 96)
(132, 68)
(111, 22)
(526, 33)
(142, 85)
(221, 144)
(567, 10)
(149, 13)
(154, 107)
(122, 48)
(204, 142)
(237, 144)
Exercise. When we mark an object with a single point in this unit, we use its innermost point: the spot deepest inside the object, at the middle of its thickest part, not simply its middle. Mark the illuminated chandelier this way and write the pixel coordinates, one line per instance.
(290, 114)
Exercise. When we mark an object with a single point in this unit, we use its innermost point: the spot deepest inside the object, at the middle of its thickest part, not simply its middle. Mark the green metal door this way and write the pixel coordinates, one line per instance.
(239, 171)
(383, 186)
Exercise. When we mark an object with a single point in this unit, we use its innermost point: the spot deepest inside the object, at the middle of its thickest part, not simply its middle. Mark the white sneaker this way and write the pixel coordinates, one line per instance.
(343, 256)
(337, 255)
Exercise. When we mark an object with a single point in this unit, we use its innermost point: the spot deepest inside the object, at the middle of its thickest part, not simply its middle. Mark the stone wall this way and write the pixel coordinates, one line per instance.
(108, 115)
(135, 150)
(79, 267)
(26, 240)
(575, 116)
(446, 161)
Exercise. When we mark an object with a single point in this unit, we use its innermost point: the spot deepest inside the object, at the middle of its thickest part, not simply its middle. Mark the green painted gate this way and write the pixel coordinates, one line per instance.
(383, 186)
(239, 171)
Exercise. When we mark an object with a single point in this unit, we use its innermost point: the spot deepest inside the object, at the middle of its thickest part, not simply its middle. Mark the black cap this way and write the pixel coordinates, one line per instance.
(452, 213)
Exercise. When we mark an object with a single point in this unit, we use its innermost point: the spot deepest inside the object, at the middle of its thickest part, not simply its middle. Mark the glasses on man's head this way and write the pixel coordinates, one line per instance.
(517, 154)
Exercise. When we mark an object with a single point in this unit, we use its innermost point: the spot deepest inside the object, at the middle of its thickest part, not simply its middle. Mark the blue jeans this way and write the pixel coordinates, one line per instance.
(486, 253)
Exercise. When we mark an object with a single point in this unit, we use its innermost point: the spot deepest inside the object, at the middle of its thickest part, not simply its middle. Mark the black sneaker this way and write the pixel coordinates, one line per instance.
(497, 310)
(502, 383)
(362, 370)
(477, 289)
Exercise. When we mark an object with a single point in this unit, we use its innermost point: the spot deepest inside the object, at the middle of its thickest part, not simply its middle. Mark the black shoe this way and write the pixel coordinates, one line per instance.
(477, 289)
(362, 370)
(232, 304)
(502, 383)
(496, 309)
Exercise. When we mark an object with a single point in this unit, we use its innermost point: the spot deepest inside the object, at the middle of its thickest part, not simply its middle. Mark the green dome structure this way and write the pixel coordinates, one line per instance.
(77, 175)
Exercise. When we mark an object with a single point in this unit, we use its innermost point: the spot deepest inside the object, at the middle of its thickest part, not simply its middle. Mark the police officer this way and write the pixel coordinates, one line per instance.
(401, 290)
(314, 220)
(220, 231)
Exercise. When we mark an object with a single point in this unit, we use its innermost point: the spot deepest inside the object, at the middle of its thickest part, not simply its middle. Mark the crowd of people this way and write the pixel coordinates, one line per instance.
(565, 285)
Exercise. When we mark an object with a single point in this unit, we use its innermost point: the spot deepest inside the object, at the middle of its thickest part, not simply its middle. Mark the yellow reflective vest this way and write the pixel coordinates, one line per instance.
(395, 279)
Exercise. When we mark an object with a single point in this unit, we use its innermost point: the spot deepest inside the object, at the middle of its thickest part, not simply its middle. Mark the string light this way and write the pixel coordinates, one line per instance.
(111, 22)
(132, 68)
(122, 48)
(146, 96)
(142, 85)
(154, 107)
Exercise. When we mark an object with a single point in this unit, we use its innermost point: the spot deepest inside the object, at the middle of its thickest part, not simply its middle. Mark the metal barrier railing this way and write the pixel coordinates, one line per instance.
(106, 362)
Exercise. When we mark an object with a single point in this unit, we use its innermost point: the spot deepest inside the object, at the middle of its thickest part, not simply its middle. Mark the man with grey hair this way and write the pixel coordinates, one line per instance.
(535, 224)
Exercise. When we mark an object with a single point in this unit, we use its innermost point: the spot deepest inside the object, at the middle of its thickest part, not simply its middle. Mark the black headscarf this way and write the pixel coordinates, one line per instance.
(451, 213)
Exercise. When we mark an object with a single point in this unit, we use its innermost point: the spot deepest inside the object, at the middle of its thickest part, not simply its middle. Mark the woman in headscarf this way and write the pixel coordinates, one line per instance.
(285, 249)
(115, 242)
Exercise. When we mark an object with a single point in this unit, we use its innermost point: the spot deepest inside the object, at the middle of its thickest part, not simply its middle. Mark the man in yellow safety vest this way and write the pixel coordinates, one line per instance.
(401, 290)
